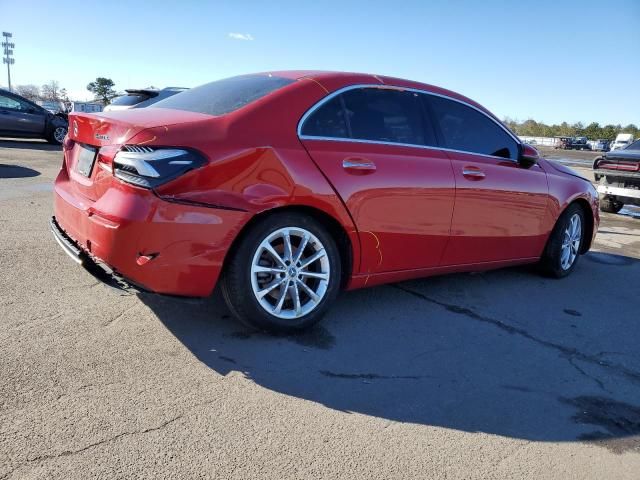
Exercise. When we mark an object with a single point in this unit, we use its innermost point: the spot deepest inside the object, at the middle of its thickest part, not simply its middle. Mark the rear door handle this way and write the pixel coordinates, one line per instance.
(473, 173)
(358, 164)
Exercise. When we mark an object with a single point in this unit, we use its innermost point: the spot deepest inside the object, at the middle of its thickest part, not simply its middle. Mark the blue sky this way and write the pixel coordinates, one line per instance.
(547, 60)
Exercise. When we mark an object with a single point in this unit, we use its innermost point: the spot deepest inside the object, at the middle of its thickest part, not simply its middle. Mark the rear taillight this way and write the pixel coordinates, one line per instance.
(150, 167)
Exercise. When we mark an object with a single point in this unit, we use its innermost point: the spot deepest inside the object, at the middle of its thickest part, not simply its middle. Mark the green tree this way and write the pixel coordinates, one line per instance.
(102, 89)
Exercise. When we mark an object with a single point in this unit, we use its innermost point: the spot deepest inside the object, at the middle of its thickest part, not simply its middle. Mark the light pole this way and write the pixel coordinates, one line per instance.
(8, 54)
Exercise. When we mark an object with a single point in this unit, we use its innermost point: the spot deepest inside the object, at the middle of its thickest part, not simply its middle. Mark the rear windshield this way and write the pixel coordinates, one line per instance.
(224, 96)
(128, 100)
(634, 146)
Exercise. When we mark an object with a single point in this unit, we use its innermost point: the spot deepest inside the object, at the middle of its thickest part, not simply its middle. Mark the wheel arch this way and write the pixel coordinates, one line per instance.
(589, 222)
(343, 240)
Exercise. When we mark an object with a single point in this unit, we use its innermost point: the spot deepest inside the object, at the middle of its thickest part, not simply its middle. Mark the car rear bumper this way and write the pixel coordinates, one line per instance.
(186, 244)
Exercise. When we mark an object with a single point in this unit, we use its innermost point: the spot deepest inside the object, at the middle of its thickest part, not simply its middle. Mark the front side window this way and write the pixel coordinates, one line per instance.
(466, 129)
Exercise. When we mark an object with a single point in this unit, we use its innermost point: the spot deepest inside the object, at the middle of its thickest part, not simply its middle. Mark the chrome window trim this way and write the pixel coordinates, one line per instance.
(329, 97)
(396, 144)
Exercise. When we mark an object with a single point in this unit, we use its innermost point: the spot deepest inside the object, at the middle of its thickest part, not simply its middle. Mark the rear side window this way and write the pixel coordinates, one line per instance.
(374, 114)
(224, 96)
(385, 115)
(329, 120)
(464, 128)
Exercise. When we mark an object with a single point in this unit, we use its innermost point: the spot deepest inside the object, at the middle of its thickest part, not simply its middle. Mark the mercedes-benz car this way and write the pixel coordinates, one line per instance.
(21, 118)
(286, 187)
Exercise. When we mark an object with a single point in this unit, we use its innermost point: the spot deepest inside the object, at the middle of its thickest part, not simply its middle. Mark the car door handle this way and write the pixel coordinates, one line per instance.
(473, 173)
(358, 164)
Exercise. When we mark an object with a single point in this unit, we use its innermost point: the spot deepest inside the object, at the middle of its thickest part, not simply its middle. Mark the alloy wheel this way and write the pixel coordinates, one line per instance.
(290, 273)
(571, 240)
(59, 134)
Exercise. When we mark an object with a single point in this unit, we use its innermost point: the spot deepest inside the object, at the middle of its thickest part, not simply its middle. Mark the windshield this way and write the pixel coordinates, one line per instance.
(634, 146)
(224, 96)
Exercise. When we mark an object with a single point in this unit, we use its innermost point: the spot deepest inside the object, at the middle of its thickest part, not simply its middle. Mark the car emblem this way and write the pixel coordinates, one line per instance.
(75, 128)
(99, 136)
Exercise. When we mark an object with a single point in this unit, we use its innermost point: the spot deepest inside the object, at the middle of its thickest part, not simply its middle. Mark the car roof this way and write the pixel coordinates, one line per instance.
(332, 81)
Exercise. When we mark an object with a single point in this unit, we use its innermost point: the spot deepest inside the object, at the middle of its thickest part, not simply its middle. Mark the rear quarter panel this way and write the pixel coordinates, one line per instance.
(256, 161)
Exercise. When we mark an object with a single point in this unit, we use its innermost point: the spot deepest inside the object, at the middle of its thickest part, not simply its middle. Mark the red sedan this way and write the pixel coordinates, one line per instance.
(287, 187)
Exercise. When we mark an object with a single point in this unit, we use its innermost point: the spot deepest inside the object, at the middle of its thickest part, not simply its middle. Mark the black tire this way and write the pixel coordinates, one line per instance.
(56, 132)
(551, 261)
(236, 282)
(610, 205)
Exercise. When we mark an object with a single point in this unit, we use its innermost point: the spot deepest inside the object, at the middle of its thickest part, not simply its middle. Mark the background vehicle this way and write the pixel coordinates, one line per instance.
(562, 143)
(579, 143)
(287, 187)
(22, 118)
(87, 107)
(600, 145)
(52, 106)
(622, 140)
(140, 98)
(618, 176)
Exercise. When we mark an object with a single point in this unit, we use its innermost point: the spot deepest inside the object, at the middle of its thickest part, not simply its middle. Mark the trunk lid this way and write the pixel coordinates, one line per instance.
(620, 160)
(97, 138)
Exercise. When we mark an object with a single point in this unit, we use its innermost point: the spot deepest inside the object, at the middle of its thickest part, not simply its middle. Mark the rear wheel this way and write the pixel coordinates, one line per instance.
(610, 205)
(284, 274)
(563, 248)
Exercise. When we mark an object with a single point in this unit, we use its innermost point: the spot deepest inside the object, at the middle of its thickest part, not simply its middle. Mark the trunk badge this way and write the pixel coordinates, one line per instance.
(100, 136)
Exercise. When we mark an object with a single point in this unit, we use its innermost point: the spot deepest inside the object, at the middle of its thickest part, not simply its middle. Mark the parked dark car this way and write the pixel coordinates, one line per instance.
(22, 118)
(140, 98)
(579, 143)
(618, 176)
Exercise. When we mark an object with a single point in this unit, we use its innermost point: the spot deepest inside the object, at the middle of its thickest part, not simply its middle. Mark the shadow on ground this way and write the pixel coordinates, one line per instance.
(32, 144)
(16, 171)
(505, 352)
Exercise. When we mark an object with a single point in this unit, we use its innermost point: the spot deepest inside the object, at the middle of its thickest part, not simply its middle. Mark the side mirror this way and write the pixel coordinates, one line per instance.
(528, 156)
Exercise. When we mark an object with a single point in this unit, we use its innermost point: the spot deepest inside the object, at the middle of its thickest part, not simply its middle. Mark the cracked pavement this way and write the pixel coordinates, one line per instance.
(501, 374)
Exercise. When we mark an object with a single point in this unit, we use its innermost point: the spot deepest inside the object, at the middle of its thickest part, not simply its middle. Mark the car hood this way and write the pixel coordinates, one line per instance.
(564, 169)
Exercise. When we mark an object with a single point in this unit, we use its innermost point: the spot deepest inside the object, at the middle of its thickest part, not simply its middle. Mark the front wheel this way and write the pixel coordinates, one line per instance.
(57, 135)
(284, 273)
(563, 248)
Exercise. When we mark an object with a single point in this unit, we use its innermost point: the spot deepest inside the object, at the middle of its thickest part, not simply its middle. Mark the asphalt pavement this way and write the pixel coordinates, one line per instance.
(503, 374)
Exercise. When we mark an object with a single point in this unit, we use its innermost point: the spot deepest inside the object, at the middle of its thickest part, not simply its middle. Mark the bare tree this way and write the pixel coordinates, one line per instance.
(31, 92)
(51, 91)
